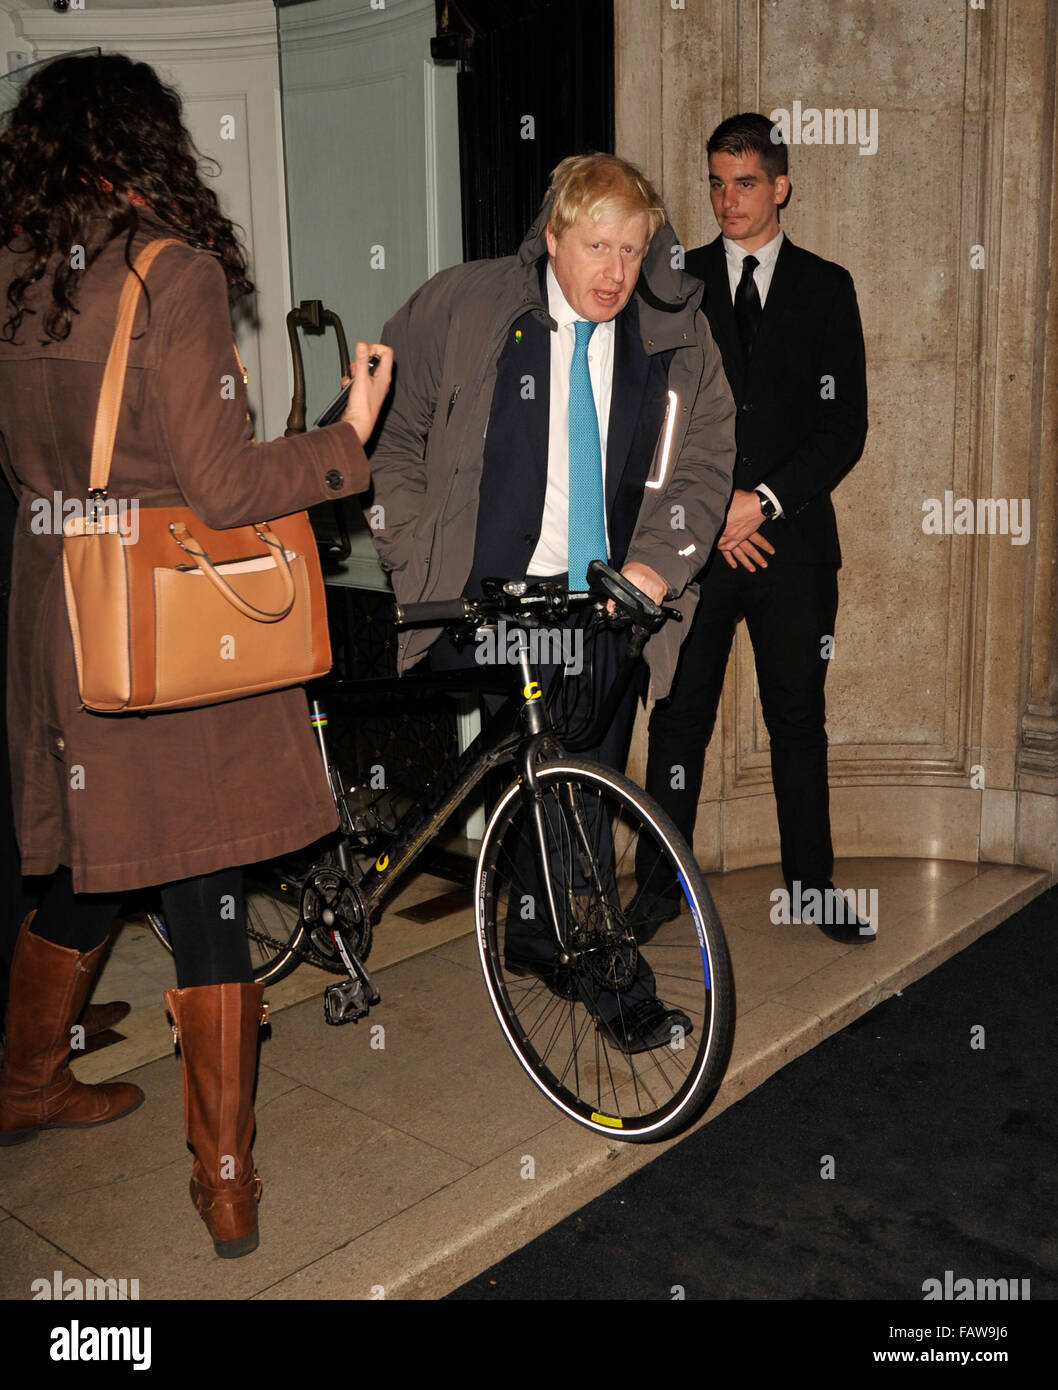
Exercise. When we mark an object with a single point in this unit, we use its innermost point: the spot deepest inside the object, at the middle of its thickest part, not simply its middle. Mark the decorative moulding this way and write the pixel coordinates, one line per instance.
(246, 29)
(305, 25)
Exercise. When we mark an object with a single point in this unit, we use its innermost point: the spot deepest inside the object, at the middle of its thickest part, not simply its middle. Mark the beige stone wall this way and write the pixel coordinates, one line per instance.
(946, 655)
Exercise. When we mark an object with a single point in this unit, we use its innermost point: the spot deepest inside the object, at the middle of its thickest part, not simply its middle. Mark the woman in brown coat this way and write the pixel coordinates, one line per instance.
(95, 162)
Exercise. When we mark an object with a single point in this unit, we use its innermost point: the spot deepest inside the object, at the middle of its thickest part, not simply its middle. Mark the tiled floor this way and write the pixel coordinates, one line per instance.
(395, 1161)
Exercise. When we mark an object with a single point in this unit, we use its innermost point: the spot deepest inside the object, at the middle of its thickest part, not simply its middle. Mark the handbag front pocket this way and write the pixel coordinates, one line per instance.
(204, 646)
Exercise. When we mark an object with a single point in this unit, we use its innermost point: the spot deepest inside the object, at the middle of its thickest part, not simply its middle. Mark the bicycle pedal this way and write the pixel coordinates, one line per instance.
(347, 1002)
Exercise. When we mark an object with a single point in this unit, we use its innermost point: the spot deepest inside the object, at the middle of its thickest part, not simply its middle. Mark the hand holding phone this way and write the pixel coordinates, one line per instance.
(359, 401)
(336, 409)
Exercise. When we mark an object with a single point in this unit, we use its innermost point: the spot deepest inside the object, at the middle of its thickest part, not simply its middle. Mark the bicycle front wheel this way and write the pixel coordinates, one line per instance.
(624, 1021)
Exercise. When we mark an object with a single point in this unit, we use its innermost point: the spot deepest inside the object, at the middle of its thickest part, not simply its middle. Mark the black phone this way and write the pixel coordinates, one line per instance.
(336, 409)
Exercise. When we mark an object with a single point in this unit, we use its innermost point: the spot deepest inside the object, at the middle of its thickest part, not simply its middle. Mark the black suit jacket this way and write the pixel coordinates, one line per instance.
(514, 473)
(802, 403)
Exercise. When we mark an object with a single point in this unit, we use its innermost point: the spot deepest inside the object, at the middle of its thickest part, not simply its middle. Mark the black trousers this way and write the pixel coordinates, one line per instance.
(789, 612)
(205, 918)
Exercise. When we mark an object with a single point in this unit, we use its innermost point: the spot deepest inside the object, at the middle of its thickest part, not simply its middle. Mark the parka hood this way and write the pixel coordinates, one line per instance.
(663, 289)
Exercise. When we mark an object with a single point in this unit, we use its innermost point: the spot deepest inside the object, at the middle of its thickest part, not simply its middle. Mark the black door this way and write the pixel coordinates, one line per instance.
(535, 85)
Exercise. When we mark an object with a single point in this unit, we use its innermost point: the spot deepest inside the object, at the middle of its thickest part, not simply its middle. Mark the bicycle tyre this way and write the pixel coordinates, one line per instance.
(552, 1020)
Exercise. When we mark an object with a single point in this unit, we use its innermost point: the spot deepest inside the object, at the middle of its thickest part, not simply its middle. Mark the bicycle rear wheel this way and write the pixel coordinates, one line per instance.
(572, 1022)
(268, 915)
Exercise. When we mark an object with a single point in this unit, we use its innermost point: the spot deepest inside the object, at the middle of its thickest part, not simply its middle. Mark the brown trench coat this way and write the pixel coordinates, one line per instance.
(131, 800)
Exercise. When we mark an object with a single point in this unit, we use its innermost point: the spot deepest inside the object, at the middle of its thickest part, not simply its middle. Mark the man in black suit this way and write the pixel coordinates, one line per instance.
(788, 327)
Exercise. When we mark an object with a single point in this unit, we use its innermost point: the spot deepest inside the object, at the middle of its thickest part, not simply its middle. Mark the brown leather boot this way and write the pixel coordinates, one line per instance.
(217, 1029)
(97, 1018)
(49, 985)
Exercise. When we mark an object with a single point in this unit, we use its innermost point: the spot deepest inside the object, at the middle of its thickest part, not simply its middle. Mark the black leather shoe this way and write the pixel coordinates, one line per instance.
(644, 1026)
(647, 912)
(841, 922)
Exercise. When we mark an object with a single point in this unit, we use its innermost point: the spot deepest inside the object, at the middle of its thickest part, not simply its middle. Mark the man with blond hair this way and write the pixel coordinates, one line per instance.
(531, 395)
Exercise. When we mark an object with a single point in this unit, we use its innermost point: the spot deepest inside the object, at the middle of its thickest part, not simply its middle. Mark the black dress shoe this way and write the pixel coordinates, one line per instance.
(647, 912)
(644, 1026)
(840, 921)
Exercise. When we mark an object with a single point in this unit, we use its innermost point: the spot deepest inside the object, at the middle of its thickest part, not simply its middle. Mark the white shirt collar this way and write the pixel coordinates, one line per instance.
(766, 255)
(559, 306)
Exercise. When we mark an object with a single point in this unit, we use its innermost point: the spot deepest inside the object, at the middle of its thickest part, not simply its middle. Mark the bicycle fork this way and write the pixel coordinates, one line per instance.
(548, 842)
(569, 813)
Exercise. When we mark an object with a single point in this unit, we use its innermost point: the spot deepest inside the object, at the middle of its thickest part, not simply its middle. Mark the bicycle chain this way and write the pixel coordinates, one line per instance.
(307, 954)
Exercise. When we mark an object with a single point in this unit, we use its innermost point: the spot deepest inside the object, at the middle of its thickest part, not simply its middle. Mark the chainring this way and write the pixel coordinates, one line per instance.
(331, 902)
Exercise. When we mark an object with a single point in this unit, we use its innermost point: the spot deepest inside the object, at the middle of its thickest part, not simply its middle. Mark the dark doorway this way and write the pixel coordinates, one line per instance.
(536, 85)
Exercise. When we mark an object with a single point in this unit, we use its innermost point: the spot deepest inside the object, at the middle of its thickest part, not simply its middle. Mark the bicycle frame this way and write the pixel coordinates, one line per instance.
(521, 732)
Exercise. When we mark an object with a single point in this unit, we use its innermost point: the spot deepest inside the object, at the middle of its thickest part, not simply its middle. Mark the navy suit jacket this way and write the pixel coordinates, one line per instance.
(801, 405)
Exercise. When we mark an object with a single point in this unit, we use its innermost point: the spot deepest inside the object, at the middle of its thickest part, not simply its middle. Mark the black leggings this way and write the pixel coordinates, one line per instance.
(205, 917)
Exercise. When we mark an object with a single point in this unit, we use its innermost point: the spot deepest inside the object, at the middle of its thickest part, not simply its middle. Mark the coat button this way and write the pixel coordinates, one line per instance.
(334, 479)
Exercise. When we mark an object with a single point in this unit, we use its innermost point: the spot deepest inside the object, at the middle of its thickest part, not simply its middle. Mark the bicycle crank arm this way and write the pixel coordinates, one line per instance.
(358, 975)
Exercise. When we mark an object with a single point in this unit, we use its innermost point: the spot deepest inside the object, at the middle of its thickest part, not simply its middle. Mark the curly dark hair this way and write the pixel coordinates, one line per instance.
(92, 136)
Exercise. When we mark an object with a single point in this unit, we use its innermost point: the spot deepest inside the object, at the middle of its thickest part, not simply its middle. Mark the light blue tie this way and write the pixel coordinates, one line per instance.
(587, 503)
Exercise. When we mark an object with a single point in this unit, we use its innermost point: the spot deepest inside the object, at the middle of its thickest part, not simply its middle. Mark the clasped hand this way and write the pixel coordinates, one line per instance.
(739, 541)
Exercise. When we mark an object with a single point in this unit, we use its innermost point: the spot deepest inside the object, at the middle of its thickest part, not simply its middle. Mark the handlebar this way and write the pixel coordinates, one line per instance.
(445, 610)
(518, 597)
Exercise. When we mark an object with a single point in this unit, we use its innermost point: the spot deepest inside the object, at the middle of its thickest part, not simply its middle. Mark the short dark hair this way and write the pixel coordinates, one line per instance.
(751, 133)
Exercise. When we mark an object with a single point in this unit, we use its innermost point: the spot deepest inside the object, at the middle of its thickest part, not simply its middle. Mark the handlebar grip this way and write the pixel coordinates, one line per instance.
(435, 612)
(632, 601)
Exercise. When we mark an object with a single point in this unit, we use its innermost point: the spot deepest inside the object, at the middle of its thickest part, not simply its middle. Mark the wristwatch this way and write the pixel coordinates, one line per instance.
(767, 506)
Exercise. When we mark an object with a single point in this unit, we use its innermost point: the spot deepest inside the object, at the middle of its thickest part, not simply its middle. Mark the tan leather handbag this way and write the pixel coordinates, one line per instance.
(182, 614)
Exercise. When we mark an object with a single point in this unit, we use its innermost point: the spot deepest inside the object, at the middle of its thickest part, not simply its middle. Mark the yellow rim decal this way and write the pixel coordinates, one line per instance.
(382, 862)
(532, 690)
(610, 1120)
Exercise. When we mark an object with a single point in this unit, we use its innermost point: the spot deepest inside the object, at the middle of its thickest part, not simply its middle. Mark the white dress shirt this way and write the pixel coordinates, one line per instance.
(551, 555)
(766, 258)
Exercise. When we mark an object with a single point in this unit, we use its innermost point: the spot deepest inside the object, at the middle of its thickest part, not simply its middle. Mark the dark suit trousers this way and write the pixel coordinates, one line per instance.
(789, 609)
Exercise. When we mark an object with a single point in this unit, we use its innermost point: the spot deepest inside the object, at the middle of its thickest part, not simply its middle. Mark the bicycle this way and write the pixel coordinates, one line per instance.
(569, 848)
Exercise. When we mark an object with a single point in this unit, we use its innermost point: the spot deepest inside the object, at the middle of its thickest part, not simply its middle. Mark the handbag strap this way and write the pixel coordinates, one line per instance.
(106, 426)
(186, 541)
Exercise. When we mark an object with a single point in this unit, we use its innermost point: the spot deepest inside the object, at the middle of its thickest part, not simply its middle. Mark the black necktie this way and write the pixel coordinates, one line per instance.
(747, 306)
